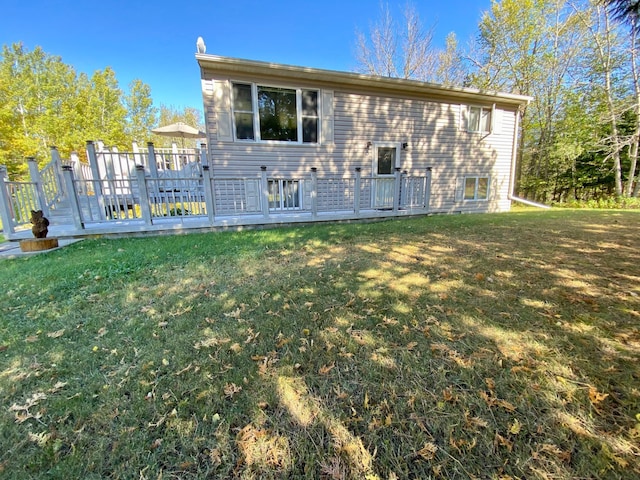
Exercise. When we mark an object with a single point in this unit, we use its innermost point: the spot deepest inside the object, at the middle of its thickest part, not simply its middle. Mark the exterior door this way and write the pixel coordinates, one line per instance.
(385, 162)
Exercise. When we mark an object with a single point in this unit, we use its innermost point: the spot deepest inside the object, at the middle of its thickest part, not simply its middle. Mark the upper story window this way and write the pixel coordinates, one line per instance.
(479, 119)
(275, 114)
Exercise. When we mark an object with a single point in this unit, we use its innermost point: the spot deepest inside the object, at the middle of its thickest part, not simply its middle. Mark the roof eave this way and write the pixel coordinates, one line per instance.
(254, 67)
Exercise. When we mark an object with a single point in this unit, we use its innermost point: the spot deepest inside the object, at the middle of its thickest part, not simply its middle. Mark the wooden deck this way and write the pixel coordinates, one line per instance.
(136, 199)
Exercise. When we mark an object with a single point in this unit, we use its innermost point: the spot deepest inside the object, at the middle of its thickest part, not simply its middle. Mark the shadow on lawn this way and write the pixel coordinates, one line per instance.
(398, 350)
(534, 338)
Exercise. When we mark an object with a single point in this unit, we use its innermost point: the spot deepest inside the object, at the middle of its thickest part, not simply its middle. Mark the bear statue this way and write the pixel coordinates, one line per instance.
(40, 224)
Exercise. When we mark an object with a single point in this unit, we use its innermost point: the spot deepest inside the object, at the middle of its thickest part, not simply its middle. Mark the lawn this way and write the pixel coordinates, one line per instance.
(477, 346)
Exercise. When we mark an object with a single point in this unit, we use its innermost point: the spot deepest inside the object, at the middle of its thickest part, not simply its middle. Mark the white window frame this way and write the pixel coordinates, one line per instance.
(256, 114)
(477, 179)
(483, 108)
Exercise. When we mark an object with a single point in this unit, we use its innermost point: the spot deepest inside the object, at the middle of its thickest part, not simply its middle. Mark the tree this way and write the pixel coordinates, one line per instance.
(529, 47)
(391, 50)
(625, 11)
(451, 65)
(37, 102)
(608, 67)
(141, 114)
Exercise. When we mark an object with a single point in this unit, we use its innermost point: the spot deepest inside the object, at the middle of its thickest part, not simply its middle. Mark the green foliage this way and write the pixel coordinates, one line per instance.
(576, 68)
(141, 112)
(608, 202)
(44, 103)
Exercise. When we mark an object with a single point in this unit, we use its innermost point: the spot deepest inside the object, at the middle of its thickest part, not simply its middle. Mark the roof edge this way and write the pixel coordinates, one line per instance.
(237, 65)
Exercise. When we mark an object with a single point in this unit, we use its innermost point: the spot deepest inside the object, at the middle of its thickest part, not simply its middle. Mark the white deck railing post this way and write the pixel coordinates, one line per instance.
(72, 196)
(208, 192)
(145, 204)
(57, 161)
(96, 180)
(356, 191)
(427, 189)
(153, 165)
(74, 161)
(5, 201)
(314, 192)
(36, 179)
(175, 159)
(264, 188)
(396, 189)
(204, 159)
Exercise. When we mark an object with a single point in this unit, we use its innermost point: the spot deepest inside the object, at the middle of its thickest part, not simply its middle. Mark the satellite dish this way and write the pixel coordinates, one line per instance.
(200, 46)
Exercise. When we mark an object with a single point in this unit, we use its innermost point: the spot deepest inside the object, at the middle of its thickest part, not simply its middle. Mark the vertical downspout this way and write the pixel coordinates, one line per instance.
(514, 156)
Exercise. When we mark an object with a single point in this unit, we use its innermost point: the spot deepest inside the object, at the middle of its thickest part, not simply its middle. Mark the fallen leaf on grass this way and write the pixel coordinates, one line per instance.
(515, 427)
(211, 342)
(231, 389)
(102, 332)
(156, 443)
(334, 469)
(596, 397)
(500, 440)
(475, 422)
(552, 449)
(412, 345)
(57, 387)
(22, 413)
(326, 369)
(497, 402)
(40, 438)
(449, 395)
(56, 334)
(428, 452)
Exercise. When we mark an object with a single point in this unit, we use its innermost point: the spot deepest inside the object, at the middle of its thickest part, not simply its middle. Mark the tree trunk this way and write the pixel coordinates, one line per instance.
(633, 149)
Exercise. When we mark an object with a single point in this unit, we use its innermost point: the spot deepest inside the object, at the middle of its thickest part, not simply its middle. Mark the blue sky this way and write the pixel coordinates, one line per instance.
(155, 41)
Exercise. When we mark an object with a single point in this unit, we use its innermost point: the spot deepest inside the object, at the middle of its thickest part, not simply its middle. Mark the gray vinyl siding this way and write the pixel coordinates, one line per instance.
(433, 130)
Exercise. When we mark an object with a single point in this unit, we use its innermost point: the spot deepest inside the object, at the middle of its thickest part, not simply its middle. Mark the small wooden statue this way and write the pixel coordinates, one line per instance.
(40, 224)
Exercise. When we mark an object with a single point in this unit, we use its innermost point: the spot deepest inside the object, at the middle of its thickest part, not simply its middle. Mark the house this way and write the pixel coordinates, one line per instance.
(288, 144)
(289, 121)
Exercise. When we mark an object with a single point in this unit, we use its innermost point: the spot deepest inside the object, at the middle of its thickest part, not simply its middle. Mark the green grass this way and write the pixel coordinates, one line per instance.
(481, 346)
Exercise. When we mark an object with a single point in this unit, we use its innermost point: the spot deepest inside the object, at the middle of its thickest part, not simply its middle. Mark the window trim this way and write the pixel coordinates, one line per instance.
(492, 111)
(256, 114)
(477, 179)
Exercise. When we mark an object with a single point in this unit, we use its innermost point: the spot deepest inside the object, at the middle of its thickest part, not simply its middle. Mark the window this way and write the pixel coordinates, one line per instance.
(476, 188)
(283, 114)
(284, 194)
(386, 160)
(243, 111)
(479, 119)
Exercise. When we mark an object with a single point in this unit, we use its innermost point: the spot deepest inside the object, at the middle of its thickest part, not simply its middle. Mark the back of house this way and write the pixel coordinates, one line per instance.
(289, 121)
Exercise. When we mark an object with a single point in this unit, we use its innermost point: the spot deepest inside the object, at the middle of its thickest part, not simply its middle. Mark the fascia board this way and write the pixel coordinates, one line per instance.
(335, 79)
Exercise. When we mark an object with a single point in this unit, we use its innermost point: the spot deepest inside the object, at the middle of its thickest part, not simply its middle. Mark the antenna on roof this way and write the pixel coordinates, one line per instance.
(200, 46)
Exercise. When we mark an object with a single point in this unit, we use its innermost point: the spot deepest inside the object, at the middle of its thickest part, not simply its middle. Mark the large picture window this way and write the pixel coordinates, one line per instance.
(283, 114)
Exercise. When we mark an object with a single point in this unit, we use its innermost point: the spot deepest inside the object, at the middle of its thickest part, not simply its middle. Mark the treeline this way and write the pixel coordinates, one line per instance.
(577, 59)
(44, 102)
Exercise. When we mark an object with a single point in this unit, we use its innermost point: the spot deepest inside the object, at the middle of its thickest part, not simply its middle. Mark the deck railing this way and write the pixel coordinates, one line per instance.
(150, 196)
